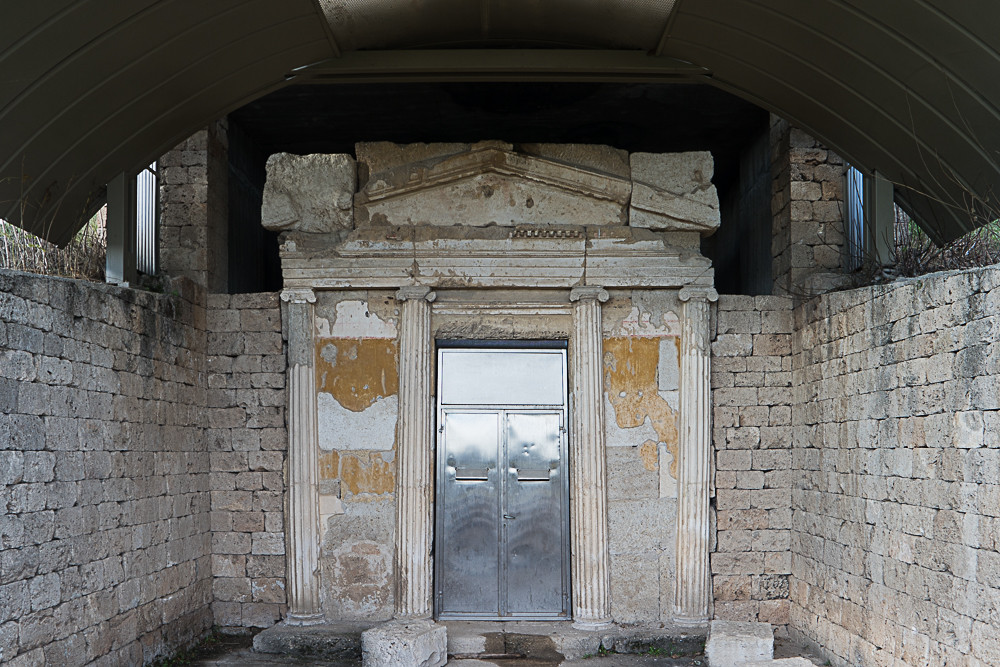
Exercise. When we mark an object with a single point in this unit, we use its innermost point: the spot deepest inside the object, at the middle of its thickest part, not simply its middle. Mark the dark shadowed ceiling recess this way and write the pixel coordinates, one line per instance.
(910, 88)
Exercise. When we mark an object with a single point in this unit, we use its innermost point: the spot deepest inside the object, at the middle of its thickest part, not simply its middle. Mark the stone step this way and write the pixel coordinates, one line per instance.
(560, 640)
(738, 644)
(340, 641)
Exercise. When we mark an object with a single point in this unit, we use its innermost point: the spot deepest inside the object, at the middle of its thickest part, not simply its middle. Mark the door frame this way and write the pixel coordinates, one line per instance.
(507, 345)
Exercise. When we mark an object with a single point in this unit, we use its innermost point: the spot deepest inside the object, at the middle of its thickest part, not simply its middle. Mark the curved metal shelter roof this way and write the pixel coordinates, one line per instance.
(910, 88)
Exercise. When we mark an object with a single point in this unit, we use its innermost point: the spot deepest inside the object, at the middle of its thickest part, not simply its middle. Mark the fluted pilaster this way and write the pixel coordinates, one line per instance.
(302, 515)
(693, 589)
(414, 456)
(589, 501)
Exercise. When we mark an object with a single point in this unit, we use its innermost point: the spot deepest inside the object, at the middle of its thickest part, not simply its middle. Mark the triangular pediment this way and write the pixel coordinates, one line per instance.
(492, 185)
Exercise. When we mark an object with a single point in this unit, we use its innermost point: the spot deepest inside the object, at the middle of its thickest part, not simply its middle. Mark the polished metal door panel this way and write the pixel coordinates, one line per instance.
(469, 570)
(534, 515)
(502, 540)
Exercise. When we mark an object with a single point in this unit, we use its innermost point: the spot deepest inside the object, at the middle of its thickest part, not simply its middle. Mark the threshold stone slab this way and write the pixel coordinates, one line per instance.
(327, 641)
(417, 643)
(735, 644)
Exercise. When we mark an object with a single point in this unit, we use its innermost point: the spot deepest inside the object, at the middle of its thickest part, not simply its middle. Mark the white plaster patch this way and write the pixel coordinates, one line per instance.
(616, 436)
(354, 320)
(329, 506)
(668, 485)
(372, 428)
(642, 323)
(668, 370)
(673, 399)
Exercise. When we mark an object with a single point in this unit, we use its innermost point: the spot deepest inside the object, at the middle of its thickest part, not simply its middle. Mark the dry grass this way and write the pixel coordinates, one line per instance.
(916, 255)
(83, 257)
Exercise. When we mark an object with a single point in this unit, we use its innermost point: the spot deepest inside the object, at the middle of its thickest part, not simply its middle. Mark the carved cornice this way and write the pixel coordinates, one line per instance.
(407, 179)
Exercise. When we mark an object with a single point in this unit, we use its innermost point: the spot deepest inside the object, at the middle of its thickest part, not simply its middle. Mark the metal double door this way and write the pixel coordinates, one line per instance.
(502, 520)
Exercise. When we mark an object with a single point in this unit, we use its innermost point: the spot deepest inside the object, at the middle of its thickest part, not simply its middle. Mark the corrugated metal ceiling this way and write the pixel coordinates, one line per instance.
(90, 88)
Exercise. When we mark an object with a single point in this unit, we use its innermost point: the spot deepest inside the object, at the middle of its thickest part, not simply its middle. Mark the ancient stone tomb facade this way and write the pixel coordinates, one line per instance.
(570, 278)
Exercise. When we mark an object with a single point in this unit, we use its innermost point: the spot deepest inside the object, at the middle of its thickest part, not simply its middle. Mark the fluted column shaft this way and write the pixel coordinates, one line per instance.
(302, 515)
(693, 589)
(589, 499)
(414, 456)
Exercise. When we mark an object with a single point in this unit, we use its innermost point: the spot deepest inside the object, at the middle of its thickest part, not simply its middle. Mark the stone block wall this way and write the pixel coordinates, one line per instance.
(247, 440)
(896, 500)
(752, 395)
(104, 478)
(194, 208)
(808, 211)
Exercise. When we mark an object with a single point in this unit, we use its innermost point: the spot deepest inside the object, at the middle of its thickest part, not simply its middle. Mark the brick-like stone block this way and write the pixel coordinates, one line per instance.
(417, 643)
(734, 644)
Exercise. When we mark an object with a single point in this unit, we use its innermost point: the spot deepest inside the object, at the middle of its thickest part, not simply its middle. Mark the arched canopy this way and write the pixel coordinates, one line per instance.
(910, 88)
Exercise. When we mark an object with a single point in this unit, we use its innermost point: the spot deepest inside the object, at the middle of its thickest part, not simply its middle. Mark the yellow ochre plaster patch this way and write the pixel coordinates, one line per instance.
(364, 472)
(630, 365)
(357, 371)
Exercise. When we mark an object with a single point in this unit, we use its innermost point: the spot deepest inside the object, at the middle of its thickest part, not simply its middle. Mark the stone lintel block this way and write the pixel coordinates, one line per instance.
(309, 193)
(674, 192)
(782, 662)
(487, 183)
(737, 644)
(420, 643)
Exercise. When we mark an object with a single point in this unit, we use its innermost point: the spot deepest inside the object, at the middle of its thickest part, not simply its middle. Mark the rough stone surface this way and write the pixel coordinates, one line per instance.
(807, 208)
(417, 643)
(735, 644)
(377, 156)
(194, 218)
(328, 641)
(247, 440)
(309, 193)
(105, 540)
(752, 434)
(640, 343)
(896, 461)
(590, 156)
(674, 192)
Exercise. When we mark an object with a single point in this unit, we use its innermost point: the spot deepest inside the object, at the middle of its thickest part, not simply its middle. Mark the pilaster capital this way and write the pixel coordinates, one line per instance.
(415, 293)
(298, 295)
(698, 294)
(589, 293)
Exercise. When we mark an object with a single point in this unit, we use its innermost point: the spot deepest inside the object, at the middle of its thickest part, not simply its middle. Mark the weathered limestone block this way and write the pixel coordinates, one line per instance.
(674, 192)
(309, 193)
(488, 183)
(417, 643)
(589, 156)
(734, 644)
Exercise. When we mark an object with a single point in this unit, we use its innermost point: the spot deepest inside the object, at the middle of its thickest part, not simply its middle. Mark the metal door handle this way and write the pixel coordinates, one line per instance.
(509, 516)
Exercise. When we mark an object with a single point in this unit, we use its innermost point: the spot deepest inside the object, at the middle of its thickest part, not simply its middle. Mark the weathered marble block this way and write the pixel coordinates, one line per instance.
(674, 192)
(309, 193)
(490, 184)
(417, 643)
